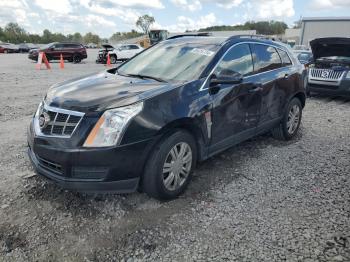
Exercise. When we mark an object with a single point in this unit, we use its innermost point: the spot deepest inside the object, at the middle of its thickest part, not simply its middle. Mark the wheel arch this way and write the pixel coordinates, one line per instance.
(301, 96)
(191, 126)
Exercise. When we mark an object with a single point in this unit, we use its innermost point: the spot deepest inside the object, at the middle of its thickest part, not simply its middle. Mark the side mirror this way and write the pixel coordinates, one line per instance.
(226, 76)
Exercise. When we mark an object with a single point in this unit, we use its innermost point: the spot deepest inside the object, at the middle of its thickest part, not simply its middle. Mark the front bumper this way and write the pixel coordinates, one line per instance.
(33, 56)
(343, 89)
(108, 170)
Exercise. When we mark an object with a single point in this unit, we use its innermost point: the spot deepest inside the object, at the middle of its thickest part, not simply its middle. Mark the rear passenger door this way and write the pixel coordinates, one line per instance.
(58, 50)
(267, 70)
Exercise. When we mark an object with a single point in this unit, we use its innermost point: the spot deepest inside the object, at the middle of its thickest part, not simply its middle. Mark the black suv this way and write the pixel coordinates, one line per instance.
(146, 123)
(73, 52)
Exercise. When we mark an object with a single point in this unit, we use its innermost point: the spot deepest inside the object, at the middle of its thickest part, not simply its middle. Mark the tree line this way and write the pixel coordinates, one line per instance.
(14, 33)
(263, 27)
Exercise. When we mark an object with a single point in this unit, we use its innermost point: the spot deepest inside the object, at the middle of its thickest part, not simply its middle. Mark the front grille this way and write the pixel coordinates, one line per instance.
(325, 74)
(59, 122)
(52, 166)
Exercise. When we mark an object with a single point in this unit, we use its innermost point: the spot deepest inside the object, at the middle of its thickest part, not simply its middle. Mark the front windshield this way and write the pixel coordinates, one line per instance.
(171, 61)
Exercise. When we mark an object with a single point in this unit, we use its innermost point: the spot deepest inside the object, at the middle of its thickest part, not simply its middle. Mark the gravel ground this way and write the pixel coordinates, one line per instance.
(263, 200)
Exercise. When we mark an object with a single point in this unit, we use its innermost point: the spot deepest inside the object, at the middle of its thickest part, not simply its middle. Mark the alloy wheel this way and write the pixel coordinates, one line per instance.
(177, 166)
(293, 119)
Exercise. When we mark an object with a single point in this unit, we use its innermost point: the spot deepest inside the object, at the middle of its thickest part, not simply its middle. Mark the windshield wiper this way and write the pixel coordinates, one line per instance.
(146, 76)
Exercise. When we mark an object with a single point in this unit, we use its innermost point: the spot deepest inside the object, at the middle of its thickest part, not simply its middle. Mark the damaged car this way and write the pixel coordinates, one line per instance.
(330, 71)
(102, 53)
(145, 124)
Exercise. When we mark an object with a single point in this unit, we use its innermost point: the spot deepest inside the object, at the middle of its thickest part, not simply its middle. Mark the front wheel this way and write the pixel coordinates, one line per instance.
(168, 170)
(290, 123)
(76, 59)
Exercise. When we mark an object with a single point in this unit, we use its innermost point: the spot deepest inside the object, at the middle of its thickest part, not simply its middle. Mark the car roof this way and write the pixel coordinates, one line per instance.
(223, 40)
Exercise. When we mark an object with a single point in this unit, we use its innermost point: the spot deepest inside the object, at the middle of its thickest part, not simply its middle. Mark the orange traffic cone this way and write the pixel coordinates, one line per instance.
(42, 58)
(61, 62)
(108, 60)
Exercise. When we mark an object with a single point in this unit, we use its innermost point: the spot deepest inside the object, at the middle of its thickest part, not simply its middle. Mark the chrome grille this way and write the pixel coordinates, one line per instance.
(60, 122)
(325, 76)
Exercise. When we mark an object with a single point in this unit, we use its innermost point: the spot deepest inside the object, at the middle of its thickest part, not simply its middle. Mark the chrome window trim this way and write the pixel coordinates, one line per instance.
(57, 110)
(240, 43)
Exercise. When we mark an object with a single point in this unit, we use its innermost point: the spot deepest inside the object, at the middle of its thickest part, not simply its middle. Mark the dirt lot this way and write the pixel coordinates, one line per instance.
(263, 200)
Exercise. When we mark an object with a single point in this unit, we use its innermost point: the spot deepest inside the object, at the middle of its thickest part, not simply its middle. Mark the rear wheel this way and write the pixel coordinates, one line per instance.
(169, 167)
(290, 123)
(113, 59)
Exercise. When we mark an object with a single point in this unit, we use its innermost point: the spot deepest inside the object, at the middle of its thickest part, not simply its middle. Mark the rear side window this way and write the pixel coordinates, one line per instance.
(284, 57)
(134, 47)
(58, 46)
(265, 58)
(72, 46)
(238, 59)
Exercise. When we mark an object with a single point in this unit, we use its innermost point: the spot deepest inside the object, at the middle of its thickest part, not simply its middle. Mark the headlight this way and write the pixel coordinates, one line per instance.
(348, 75)
(109, 129)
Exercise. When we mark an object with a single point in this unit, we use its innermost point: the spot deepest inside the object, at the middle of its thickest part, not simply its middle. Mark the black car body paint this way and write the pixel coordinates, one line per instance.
(218, 120)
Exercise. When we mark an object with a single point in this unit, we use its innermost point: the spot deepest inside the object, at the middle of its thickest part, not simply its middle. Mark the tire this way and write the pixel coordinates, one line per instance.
(292, 116)
(113, 59)
(162, 172)
(76, 59)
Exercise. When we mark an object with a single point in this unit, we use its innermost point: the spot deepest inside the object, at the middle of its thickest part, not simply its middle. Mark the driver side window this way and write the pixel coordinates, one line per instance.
(238, 59)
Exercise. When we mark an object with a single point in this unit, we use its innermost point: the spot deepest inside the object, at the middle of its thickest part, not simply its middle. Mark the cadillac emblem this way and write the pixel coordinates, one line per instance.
(44, 120)
(325, 74)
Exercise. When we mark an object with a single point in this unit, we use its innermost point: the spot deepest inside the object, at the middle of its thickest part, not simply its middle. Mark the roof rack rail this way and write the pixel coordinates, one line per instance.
(191, 34)
(252, 36)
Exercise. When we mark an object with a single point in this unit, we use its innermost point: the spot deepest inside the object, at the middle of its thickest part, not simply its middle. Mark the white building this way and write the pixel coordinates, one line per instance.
(319, 27)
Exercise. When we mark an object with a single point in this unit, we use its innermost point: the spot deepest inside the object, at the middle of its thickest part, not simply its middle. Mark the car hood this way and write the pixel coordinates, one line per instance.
(331, 46)
(97, 92)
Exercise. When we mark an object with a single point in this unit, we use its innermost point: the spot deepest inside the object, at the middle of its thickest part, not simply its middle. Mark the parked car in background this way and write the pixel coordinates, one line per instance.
(73, 52)
(330, 72)
(146, 123)
(102, 53)
(124, 52)
(91, 45)
(304, 57)
(26, 47)
(8, 48)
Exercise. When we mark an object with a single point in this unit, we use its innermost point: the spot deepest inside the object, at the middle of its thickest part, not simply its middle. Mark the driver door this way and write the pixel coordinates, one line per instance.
(235, 107)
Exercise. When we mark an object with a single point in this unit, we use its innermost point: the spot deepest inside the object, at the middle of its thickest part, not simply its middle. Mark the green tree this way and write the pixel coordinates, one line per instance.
(77, 37)
(91, 38)
(14, 33)
(118, 36)
(262, 27)
(2, 34)
(47, 37)
(144, 22)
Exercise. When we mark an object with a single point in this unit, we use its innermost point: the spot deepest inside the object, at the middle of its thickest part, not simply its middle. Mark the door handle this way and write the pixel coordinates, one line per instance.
(255, 89)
